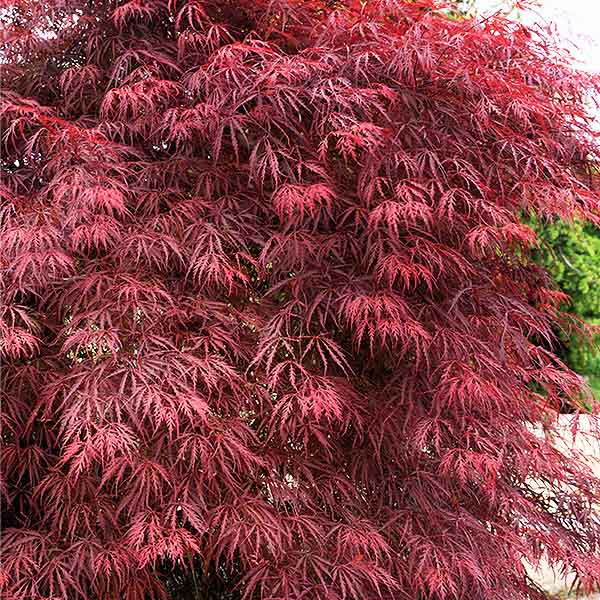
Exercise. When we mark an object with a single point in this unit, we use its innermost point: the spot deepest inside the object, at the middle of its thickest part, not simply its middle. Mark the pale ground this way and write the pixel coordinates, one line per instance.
(590, 447)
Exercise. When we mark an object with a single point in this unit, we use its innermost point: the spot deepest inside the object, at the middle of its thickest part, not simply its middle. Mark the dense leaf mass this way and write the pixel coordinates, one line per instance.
(270, 326)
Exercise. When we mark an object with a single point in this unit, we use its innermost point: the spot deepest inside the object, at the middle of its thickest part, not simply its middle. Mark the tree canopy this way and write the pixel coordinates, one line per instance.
(272, 325)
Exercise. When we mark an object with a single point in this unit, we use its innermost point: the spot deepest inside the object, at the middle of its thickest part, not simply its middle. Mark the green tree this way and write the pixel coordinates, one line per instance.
(571, 253)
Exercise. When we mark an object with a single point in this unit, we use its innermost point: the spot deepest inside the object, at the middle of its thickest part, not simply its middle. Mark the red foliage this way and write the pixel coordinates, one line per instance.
(270, 328)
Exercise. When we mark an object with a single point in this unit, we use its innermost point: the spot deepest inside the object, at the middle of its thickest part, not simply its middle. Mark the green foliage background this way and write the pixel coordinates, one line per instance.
(571, 253)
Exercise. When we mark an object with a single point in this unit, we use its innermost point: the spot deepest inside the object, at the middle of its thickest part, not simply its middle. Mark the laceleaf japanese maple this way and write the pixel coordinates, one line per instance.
(270, 326)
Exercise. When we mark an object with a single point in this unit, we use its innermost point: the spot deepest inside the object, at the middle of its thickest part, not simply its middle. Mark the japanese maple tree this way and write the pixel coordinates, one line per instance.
(270, 326)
